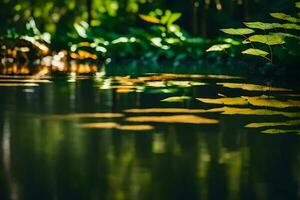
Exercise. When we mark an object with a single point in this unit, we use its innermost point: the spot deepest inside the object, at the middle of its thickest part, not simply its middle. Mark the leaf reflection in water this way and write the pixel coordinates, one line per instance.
(83, 115)
(103, 125)
(176, 99)
(114, 125)
(248, 111)
(18, 84)
(225, 101)
(271, 102)
(263, 101)
(252, 87)
(280, 131)
(184, 119)
(165, 110)
(25, 80)
(269, 124)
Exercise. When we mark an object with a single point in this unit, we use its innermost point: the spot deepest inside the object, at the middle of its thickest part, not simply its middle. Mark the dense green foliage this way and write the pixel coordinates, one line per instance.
(142, 30)
(262, 36)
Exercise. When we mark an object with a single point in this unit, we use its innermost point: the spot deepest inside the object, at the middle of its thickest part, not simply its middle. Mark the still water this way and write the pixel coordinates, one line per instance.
(156, 137)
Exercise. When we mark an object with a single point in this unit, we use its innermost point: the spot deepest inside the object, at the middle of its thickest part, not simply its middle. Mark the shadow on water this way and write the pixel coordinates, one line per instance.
(156, 136)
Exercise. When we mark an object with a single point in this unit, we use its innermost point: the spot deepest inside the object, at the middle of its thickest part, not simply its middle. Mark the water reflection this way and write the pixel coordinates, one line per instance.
(46, 155)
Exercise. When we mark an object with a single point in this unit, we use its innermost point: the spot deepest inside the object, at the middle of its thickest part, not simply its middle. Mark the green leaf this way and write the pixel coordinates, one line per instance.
(262, 25)
(255, 52)
(237, 31)
(150, 19)
(291, 26)
(284, 16)
(166, 17)
(176, 99)
(297, 4)
(267, 39)
(174, 17)
(284, 35)
(80, 30)
(218, 47)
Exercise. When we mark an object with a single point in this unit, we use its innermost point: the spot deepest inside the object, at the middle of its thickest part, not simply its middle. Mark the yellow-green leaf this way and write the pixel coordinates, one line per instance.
(291, 26)
(255, 52)
(262, 25)
(297, 4)
(218, 47)
(266, 39)
(284, 16)
(174, 17)
(284, 35)
(237, 31)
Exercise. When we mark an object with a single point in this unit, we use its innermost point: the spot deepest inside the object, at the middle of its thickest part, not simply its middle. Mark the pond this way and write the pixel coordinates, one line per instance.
(150, 136)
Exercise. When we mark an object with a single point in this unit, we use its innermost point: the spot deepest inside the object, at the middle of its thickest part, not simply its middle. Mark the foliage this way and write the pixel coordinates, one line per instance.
(164, 40)
(282, 35)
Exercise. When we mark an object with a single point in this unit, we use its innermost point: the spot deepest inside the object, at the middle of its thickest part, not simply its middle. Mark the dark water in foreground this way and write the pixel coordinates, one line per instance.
(50, 150)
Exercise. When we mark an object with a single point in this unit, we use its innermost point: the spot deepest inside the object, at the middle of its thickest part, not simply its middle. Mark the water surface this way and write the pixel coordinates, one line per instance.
(157, 136)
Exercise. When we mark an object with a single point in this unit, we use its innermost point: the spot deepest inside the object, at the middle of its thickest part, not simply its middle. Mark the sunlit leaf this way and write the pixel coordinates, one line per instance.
(149, 19)
(279, 131)
(218, 47)
(270, 124)
(262, 25)
(267, 39)
(284, 35)
(252, 87)
(165, 18)
(44, 48)
(174, 17)
(284, 16)
(157, 41)
(185, 119)
(80, 30)
(255, 52)
(297, 4)
(291, 26)
(238, 31)
(176, 99)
